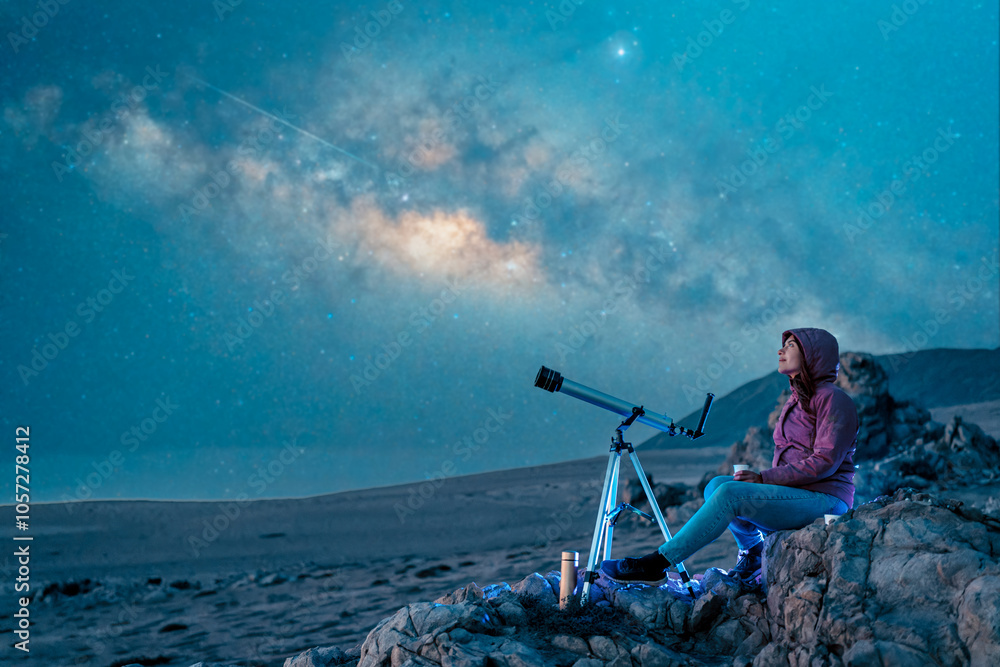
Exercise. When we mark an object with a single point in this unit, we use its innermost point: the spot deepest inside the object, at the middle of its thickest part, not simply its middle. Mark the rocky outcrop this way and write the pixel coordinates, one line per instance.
(900, 446)
(939, 458)
(906, 580)
(866, 381)
(323, 657)
(667, 495)
(622, 626)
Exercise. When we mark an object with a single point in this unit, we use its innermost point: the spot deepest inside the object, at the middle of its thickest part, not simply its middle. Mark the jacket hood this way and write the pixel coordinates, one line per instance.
(820, 351)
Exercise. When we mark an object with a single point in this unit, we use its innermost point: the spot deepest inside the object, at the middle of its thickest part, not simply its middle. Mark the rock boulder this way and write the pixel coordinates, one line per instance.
(904, 580)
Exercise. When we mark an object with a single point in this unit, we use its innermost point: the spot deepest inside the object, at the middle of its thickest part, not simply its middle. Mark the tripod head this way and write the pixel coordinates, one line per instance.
(552, 381)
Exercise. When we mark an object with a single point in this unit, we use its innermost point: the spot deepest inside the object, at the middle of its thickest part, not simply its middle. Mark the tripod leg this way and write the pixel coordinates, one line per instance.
(614, 460)
(609, 527)
(685, 579)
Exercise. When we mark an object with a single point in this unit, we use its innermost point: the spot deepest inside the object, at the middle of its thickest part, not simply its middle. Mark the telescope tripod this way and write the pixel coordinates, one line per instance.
(608, 514)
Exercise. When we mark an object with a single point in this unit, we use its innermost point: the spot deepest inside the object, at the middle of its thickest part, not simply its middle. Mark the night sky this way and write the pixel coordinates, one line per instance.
(247, 248)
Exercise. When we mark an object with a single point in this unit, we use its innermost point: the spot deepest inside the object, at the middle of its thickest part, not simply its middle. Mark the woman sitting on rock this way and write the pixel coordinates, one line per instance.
(812, 472)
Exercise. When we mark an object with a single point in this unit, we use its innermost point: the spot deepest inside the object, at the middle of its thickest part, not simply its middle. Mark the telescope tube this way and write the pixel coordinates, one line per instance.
(553, 381)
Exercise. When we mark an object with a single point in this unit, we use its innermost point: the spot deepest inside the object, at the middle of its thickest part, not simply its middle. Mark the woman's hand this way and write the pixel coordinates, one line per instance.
(748, 476)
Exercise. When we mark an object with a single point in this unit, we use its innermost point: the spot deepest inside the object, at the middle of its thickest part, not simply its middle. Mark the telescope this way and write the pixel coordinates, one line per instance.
(553, 381)
(608, 515)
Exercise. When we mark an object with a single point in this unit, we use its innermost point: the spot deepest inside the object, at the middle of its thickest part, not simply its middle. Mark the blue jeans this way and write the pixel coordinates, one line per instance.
(747, 509)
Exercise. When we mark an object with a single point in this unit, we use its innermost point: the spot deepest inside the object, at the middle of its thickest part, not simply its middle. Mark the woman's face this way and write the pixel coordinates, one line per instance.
(790, 358)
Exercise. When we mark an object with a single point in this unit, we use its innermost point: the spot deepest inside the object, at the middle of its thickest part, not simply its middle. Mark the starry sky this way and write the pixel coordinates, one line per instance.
(283, 249)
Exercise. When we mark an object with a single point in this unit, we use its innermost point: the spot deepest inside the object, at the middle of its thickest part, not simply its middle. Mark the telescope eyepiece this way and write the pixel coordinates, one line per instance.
(548, 379)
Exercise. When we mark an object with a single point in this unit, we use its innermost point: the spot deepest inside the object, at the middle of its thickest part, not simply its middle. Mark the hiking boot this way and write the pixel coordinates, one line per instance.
(748, 566)
(650, 569)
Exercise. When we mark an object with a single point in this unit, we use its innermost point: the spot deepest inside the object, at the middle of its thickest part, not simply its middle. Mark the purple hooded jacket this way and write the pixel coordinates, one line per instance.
(814, 447)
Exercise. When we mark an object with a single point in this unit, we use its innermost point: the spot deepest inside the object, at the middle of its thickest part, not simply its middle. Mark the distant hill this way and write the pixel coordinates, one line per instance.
(940, 378)
(929, 378)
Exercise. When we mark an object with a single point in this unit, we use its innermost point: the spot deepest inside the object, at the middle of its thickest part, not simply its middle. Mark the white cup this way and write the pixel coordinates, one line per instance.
(830, 518)
(740, 466)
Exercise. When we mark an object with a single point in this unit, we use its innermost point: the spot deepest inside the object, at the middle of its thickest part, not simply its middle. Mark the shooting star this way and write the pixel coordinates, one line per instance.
(283, 122)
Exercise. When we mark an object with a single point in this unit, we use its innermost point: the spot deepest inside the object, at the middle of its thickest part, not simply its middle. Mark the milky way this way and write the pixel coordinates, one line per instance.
(280, 251)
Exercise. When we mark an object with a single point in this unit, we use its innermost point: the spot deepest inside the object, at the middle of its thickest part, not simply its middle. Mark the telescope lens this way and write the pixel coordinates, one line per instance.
(548, 379)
